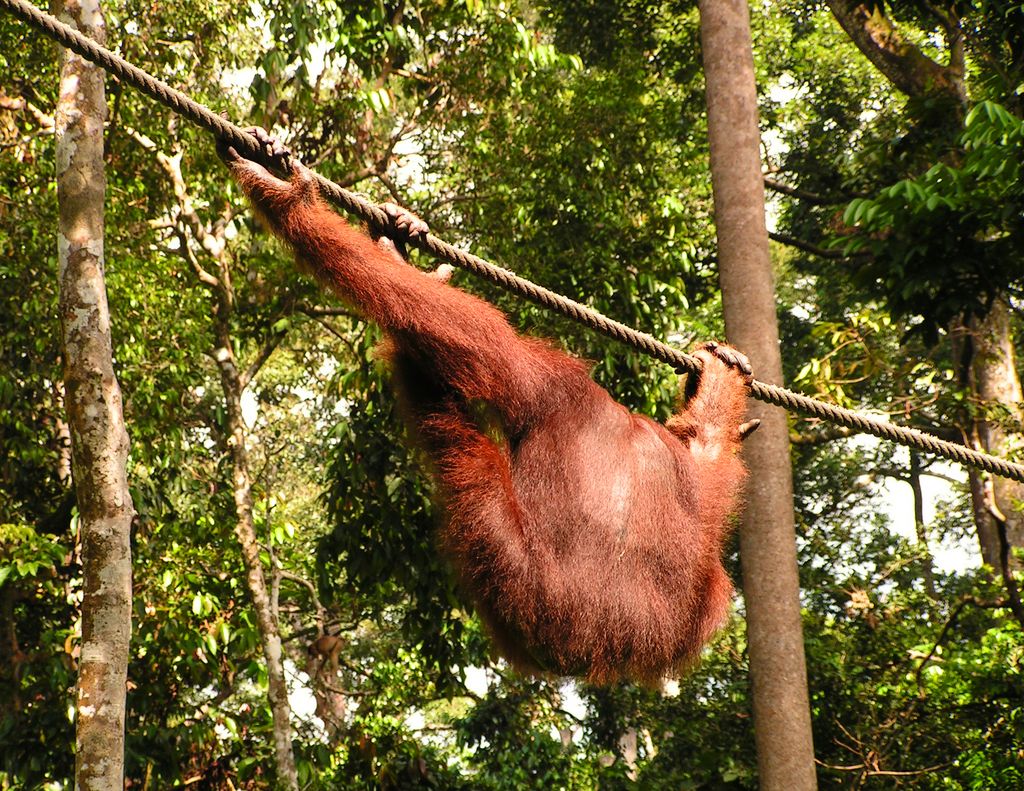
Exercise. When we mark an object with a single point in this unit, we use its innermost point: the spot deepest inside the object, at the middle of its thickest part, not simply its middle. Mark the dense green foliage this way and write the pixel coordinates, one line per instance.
(567, 142)
(949, 239)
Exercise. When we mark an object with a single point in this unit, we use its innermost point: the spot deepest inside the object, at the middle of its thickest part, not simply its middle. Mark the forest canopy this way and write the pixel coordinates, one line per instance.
(569, 142)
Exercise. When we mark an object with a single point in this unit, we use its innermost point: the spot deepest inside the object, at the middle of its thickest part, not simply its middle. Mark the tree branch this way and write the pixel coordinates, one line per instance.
(19, 103)
(261, 357)
(1012, 591)
(815, 198)
(974, 600)
(827, 433)
(813, 249)
(359, 175)
(185, 249)
(938, 14)
(390, 185)
(315, 311)
(187, 216)
(869, 772)
(319, 314)
(899, 60)
(321, 613)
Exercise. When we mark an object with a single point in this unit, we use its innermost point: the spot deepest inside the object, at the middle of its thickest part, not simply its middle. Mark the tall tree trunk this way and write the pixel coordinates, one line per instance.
(233, 383)
(331, 705)
(927, 562)
(984, 522)
(99, 442)
(782, 723)
(266, 621)
(990, 370)
(997, 425)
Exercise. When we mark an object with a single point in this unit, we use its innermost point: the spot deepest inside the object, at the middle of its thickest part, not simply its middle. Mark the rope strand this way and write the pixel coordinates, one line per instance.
(368, 212)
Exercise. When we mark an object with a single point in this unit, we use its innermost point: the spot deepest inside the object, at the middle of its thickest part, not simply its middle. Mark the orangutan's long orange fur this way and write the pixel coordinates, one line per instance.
(589, 537)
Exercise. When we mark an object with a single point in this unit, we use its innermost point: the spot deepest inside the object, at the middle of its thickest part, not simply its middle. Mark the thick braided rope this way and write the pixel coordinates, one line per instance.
(355, 204)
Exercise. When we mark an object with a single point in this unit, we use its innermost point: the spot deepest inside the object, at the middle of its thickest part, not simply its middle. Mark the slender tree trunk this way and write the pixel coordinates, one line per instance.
(245, 531)
(331, 705)
(782, 723)
(11, 656)
(999, 419)
(983, 349)
(99, 442)
(927, 563)
(233, 383)
(984, 522)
